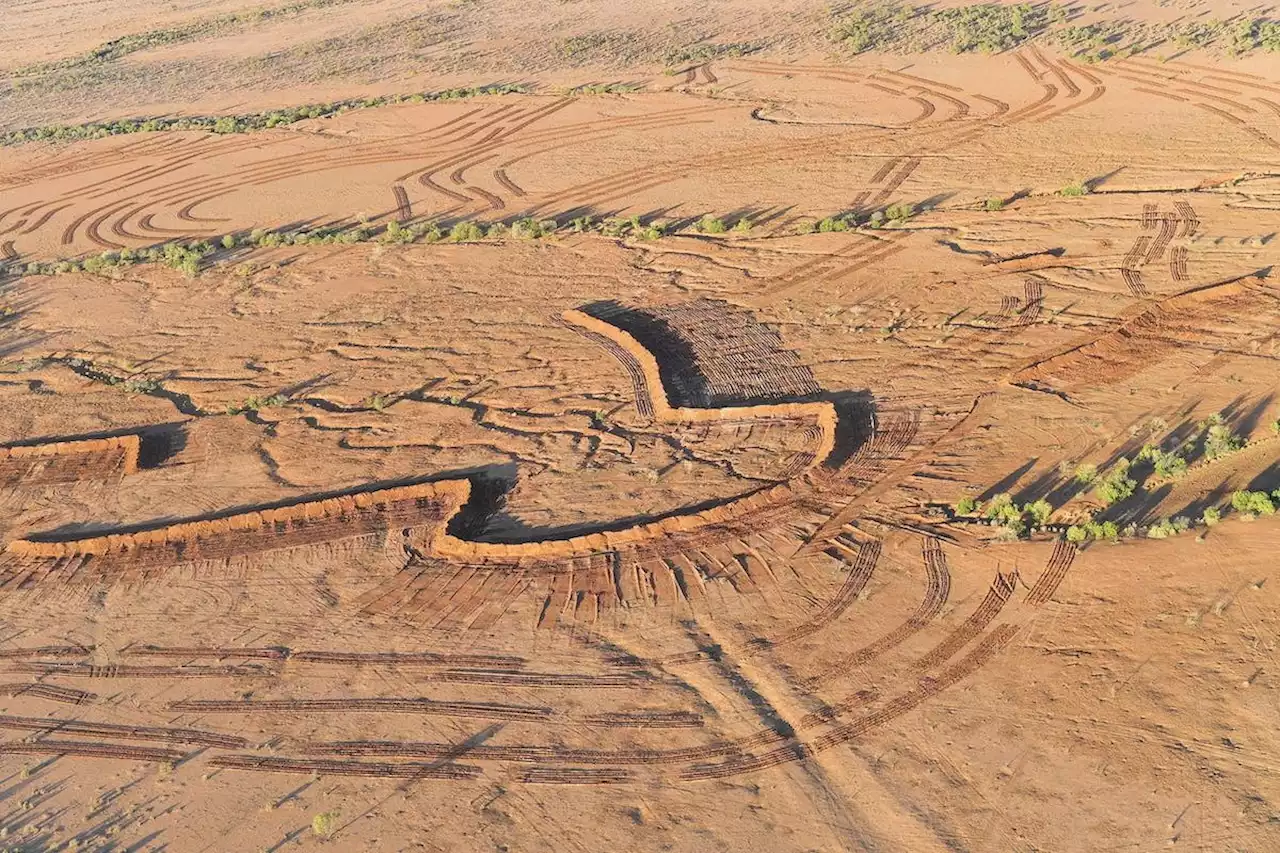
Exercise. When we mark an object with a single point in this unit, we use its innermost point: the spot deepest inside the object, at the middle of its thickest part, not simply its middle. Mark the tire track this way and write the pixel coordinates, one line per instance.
(52, 725)
(404, 210)
(1033, 301)
(379, 770)
(51, 692)
(500, 175)
(997, 596)
(937, 590)
(859, 572)
(1055, 570)
(378, 705)
(89, 749)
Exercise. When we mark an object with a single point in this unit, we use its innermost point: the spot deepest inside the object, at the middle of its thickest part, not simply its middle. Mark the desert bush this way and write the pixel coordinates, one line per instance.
(1039, 512)
(872, 28)
(900, 212)
(711, 225)
(1252, 503)
(967, 506)
(700, 52)
(466, 232)
(245, 123)
(1211, 516)
(991, 27)
(255, 404)
(1219, 440)
(1116, 485)
(1086, 473)
(1076, 534)
(994, 204)
(1079, 188)
(834, 223)
(325, 824)
(1168, 464)
(531, 229)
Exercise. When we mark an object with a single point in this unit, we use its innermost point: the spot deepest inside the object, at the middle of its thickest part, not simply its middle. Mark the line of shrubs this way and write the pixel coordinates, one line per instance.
(247, 122)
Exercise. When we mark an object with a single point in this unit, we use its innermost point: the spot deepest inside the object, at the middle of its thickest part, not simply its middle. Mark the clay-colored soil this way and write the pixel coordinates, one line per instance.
(605, 540)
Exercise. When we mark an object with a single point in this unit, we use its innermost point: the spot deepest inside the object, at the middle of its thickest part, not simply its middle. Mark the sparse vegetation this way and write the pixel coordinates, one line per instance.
(872, 28)
(245, 123)
(992, 27)
(1252, 504)
(1167, 464)
(994, 204)
(1075, 190)
(711, 225)
(325, 824)
(256, 404)
(1116, 485)
(1219, 440)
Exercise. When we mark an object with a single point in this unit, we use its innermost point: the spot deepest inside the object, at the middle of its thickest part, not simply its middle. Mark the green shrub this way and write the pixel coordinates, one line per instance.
(1211, 516)
(1039, 511)
(991, 27)
(1076, 534)
(742, 226)
(900, 212)
(967, 506)
(1086, 473)
(532, 229)
(466, 232)
(833, 223)
(254, 404)
(1252, 503)
(873, 27)
(994, 204)
(1219, 441)
(1168, 464)
(1116, 486)
(1079, 188)
(711, 225)
(325, 824)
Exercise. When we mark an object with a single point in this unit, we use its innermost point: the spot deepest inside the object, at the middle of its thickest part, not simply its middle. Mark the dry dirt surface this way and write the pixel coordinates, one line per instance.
(689, 448)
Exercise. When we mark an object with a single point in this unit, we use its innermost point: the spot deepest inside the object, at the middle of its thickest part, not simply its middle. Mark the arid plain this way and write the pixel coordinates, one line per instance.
(585, 426)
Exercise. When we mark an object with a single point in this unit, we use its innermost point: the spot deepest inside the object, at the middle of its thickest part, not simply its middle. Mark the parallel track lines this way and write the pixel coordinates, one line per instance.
(1055, 570)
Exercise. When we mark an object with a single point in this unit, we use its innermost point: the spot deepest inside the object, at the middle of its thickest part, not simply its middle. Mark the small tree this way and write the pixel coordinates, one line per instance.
(325, 824)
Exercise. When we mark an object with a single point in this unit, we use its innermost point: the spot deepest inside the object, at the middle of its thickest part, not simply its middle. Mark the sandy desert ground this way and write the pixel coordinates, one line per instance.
(711, 427)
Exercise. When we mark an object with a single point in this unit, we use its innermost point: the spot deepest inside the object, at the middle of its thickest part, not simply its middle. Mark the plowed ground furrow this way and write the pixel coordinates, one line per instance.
(1234, 119)
(145, 224)
(924, 81)
(495, 202)
(1033, 301)
(377, 705)
(507, 184)
(905, 172)
(708, 76)
(981, 655)
(1055, 570)
(217, 652)
(404, 211)
(539, 754)
(51, 692)
(93, 232)
(927, 108)
(575, 776)
(1235, 105)
(1168, 226)
(1190, 222)
(1008, 304)
(1136, 253)
(50, 725)
(1178, 263)
(1150, 216)
(46, 652)
(884, 170)
(426, 181)
(1070, 85)
(960, 109)
(540, 679)
(1271, 105)
(999, 593)
(886, 89)
(7, 251)
(84, 670)
(859, 573)
(406, 659)
(1133, 279)
(378, 770)
(937, 590)
(88, 749)
(647, 720)
(71, 468)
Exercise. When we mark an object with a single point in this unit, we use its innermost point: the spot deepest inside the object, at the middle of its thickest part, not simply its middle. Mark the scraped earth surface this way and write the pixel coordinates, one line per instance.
(549, 544)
